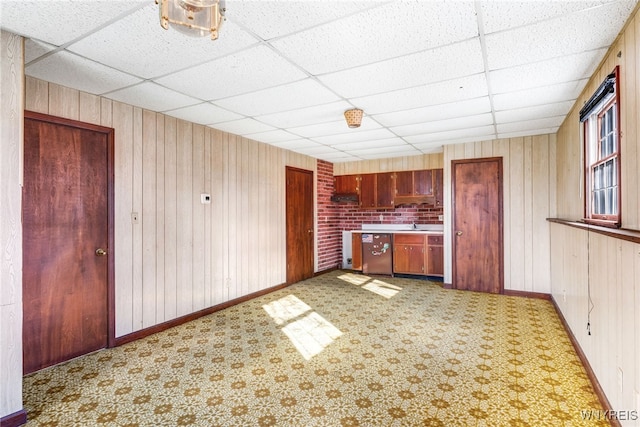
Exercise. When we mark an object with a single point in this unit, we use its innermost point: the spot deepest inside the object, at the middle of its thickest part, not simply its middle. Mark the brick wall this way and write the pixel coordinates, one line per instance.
(329, 231)
(334, 217)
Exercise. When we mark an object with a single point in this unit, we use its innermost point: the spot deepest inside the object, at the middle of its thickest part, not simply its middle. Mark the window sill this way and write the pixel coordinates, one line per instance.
(616, 233)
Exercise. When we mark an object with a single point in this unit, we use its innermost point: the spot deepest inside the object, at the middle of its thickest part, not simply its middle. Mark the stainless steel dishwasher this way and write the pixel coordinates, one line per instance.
(377, 253)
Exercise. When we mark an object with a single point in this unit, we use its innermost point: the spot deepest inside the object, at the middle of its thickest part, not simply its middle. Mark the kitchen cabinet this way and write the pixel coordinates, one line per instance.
(435, 256)
(438, 186)
(377, 190)
(356, 251)
(346, 188)
(409, 253)
(417, 187)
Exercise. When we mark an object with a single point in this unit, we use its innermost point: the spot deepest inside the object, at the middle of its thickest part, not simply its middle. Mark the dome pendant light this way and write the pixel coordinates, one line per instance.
(353, 117)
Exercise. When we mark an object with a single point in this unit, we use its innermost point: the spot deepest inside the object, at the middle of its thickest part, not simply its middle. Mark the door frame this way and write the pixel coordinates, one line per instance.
(109, 134)
(500, 216)
(313, 209)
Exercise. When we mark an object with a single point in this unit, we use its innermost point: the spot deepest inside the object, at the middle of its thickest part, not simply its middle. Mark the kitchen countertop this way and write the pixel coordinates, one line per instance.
(436, 229)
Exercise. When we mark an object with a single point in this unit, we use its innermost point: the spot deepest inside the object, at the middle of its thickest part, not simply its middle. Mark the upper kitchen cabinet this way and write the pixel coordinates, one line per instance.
(416, 187)
(377, 190)
(346, 188)
(438, 190)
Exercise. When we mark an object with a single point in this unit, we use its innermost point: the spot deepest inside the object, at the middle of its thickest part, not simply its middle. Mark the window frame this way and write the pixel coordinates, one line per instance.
(596, 109)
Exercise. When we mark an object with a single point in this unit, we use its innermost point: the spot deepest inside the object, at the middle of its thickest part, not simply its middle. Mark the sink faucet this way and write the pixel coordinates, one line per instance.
(415, 227)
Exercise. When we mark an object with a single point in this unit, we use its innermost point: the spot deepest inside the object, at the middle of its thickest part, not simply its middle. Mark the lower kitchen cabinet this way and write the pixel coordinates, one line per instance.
(356, 251)
(409, 253)
(435, 256)
(418, 254)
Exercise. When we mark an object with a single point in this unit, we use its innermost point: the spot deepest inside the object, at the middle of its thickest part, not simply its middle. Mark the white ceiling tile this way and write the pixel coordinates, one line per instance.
(34, 49)
(59, 22)
(296, 144)
(317, 150)
(354, 136)
(292, 96)
(71, 70)
(150, 51)
(204, 114)
(243, 126)
(436, 65)
(481, 132)
(549, 122)
(433, 94)
(317, 114)
(533, 113)
(545, 73)
(562, 36)
(435, 112)
(269, 19)
(376, 143)
(273, 136)
(252, 69)
(567, 91)
(345, 43)
(502, 15)
(374, 153)
(530, 132)
(334, 128)
(432, 149)
(153, 97)
(339, 157)
(444, 125)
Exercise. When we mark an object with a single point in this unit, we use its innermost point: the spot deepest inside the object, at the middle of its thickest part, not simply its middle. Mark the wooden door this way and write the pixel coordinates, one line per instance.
(477, 225)
(299, 224)
(67, 209)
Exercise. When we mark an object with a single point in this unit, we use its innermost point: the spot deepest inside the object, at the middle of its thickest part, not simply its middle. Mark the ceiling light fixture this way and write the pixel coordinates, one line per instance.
(196, 18)
(353, 117)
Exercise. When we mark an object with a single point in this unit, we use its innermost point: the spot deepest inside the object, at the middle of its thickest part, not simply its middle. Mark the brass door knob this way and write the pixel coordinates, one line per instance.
(100, 252)
(458, 233)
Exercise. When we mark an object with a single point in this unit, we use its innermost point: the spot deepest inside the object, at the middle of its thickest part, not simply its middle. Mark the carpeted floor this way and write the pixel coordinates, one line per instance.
(340, 349)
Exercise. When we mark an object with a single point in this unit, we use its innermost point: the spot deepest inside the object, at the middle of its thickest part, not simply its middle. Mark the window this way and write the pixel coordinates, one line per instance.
(601, 131)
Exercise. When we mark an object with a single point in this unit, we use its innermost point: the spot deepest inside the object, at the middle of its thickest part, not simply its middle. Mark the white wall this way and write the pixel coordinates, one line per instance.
(11, 125)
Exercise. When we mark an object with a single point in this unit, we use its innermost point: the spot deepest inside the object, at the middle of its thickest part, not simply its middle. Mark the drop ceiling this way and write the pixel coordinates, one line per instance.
(426, 73)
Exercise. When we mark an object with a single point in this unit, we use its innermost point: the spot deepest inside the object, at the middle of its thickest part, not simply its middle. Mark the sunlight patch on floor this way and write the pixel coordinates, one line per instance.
(286, 308)
(376, 286)
(382, 288)
(311, 334)
(354, 279)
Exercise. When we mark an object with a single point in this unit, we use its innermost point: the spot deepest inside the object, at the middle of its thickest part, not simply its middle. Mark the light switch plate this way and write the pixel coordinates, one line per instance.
(205, 199)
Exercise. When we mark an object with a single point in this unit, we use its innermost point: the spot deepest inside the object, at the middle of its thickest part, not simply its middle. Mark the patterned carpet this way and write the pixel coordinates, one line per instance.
(340, 349)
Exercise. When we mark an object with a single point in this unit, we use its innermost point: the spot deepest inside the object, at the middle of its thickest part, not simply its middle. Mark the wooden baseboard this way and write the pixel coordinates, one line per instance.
(526, 294)
(585, 362)
(14, 420)
(189, 317)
